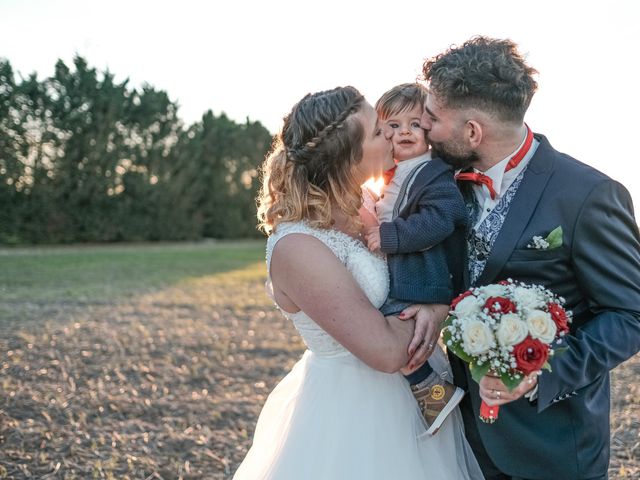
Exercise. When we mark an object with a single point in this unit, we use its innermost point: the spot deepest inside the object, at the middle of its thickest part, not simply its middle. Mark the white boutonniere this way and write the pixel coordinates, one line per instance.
(551, 241)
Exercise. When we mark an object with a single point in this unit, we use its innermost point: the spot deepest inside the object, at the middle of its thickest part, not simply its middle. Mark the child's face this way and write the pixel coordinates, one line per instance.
(406, 135)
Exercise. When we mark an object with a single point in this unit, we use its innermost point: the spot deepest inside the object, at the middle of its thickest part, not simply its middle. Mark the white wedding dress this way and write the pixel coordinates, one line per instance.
(333, 417)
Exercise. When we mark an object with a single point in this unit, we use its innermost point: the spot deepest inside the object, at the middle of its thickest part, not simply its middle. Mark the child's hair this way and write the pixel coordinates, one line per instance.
(400, 99)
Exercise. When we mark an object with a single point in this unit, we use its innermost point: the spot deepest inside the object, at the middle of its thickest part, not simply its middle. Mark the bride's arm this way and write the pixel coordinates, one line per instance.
(305, 273)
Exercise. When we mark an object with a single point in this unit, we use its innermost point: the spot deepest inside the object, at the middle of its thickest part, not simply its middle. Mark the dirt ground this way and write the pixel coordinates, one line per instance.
(168, 385)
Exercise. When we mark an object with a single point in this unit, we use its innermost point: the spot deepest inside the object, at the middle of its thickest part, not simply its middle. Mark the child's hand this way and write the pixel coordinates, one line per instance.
(373, 238)
(368, 219)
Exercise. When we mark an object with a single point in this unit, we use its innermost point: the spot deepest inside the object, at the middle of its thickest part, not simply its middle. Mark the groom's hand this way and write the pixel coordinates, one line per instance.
(494, 392)
(427, 330)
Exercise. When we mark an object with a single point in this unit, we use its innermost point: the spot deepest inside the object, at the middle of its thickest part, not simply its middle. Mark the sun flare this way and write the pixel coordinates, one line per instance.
(374, 184)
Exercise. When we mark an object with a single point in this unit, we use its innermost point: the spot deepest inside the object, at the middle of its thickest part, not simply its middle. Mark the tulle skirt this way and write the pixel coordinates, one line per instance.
(336, 418)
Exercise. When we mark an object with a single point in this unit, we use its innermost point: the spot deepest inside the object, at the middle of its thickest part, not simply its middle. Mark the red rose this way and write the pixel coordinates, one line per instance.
(457, 300)
(499, 305)
(559, 316)
(530, 355)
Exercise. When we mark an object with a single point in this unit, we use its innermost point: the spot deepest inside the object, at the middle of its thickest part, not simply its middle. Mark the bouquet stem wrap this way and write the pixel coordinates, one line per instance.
(488, 414)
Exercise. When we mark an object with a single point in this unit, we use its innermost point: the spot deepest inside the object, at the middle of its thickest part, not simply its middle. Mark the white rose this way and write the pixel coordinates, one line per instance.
(477, 337)
(512, 330)
(468, 306)
(527, 298)
(494, 290)
(541, 326)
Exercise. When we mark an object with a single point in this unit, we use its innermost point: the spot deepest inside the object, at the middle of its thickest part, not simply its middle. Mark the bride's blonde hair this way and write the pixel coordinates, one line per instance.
(311, 162)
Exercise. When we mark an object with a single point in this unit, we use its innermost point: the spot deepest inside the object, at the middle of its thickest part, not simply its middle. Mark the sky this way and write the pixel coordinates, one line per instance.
(255, 58)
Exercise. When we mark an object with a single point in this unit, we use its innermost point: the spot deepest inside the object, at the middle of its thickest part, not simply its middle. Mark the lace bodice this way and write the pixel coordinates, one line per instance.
(369, 270)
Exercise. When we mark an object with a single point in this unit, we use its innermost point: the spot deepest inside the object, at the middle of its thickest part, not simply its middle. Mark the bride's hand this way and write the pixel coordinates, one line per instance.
(428, 319)
(406, 370)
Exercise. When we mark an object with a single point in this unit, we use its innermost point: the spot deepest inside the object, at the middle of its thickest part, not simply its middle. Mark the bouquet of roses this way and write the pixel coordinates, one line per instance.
(506, 329)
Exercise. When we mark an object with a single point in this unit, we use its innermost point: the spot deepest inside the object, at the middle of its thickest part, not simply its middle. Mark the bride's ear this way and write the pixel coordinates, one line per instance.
(473, 131)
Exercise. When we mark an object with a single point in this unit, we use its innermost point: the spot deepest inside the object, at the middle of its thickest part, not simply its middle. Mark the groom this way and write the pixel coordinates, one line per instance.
(517, 187)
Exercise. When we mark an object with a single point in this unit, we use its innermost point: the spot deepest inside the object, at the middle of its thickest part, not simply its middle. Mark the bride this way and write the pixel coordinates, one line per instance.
(344, 411)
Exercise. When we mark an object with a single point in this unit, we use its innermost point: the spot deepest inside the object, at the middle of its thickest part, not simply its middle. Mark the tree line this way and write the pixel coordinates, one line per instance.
(84, 158)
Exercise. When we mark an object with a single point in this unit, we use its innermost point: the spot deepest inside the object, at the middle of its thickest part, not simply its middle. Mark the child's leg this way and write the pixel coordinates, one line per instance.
(437, 398)
(420, 374)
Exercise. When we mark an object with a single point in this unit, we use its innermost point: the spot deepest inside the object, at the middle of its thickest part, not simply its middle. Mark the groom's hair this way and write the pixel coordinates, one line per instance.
(484, 73)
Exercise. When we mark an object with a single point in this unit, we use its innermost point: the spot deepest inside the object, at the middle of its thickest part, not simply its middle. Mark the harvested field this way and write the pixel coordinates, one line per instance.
(140, 363)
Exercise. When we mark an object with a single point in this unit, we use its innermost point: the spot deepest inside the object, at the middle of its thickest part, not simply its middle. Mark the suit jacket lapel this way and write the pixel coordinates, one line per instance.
(522, 207)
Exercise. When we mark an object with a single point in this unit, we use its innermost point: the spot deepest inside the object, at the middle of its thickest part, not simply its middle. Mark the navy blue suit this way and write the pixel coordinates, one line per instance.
(565, 433)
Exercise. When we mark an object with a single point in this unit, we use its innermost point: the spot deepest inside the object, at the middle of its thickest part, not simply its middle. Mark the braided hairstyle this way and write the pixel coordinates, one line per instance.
(311, 161)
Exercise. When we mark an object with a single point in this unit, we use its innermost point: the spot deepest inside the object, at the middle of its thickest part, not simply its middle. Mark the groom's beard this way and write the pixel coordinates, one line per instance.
(459, 161)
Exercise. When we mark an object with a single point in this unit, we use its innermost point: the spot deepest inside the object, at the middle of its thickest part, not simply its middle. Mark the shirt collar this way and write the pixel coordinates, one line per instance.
(497, 172)
(412, 162)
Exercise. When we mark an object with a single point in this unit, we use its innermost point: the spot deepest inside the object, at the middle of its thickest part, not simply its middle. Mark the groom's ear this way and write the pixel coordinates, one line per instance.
(473, 131)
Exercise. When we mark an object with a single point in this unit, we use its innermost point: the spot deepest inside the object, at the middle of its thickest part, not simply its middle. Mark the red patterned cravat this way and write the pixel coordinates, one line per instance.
(478, 179)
